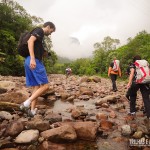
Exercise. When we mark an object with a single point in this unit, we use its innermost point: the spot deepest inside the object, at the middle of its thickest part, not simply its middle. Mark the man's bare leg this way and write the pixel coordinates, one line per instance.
(33, 103)
(43, 88)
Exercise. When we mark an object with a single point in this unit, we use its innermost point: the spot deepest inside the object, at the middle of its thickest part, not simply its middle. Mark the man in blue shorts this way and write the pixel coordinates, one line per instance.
(35, 72)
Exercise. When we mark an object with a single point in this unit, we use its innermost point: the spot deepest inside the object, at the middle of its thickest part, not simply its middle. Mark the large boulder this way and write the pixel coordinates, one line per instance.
(27, 136)
(64, 133)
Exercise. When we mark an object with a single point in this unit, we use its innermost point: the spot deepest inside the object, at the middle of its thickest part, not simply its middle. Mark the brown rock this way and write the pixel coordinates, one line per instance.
(86, 91)
(47, 145)
(14, 128)
(101, 116)
(86, 130)
(65, 133)
(38, 124)
(112, 114)
(106, 125)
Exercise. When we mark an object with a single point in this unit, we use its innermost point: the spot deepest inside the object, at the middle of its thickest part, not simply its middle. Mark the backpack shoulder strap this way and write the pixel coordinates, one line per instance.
(141, 68)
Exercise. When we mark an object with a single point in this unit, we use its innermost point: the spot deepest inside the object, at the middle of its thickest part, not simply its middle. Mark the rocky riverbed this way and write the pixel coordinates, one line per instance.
(77, 113)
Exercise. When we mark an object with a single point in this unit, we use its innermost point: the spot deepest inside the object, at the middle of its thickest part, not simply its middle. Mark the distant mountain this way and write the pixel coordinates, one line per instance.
(74, 40)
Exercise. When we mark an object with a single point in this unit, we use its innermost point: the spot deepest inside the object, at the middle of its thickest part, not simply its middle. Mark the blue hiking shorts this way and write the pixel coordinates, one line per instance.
(37, 76)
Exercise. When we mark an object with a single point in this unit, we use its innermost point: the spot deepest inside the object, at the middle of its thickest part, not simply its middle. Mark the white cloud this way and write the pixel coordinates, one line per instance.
(90, 21)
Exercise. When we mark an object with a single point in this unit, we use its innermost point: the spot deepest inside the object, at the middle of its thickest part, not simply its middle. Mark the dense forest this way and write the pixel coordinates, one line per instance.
(14, 20)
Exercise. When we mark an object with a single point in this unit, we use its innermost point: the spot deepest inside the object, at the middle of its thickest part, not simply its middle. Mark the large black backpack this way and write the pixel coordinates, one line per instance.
(23, 45)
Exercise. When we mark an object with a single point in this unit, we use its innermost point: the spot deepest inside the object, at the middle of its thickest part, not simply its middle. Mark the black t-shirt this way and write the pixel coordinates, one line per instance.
(38, 46)
(134, 67)
(128, 71)
(111, 64)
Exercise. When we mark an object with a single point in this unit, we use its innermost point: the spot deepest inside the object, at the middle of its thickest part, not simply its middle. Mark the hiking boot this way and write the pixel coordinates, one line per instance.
(131, 114)
(31, 113)
(23, 108)
(115, 90)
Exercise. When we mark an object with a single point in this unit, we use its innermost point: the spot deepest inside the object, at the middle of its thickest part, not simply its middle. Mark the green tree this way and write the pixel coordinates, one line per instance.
(103, 53)
(14, 20)
(107, 44)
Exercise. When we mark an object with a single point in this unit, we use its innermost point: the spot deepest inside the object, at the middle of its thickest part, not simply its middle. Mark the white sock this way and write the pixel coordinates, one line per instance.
(27, 103)
(33, 111)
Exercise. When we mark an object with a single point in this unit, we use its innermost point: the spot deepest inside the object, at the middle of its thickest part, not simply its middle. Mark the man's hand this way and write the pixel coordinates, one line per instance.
(128, 85)
(32, 63)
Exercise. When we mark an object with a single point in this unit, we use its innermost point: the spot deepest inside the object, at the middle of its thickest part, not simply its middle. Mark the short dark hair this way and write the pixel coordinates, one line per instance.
(137, 57)
(49, 24)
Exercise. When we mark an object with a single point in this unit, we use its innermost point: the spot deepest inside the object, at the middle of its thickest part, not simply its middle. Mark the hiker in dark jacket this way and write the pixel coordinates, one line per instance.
(134, 87)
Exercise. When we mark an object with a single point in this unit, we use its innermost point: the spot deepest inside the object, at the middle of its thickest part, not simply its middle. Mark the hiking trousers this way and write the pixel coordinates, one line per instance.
(145, 91)
(113, 78)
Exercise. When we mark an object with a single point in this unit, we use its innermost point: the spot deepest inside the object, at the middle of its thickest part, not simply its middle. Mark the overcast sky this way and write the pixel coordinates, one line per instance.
(81, 23)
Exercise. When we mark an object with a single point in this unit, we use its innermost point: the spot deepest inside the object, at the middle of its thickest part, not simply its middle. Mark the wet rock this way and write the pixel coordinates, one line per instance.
(70, 98)
(14, 97)
(101, 116)
(115, 134)
(101, 101)
(105, 105)
(85, 79)
(138, 134)
(64, 133)
(5, 115)
(78, 112)
(38, 124)
(2, 90)
(6, 144)
(96, 79)
(143, 129)
(86, 91)
(50, 91)
(126, 130)
(119, 107)
(32, 147)
(53, 117)
(14, 128)
(47, 145)
(90, 118)
(64, 96)
(91, 79)
(8, 85)
(106, 125)
(112, 114)
(84, 97)
(24, 137)
(109, 98)
(86, 130)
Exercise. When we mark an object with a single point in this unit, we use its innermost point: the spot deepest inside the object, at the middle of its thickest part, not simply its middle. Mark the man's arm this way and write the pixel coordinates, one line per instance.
(109, 70)
(31, 41)
(119, 71)
(130, 77)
